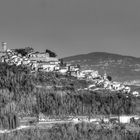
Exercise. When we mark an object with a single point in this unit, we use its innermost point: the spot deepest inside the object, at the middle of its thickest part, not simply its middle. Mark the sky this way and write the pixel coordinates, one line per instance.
(70, 27)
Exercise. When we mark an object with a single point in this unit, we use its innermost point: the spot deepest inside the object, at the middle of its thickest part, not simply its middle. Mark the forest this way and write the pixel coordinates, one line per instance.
(85, 103)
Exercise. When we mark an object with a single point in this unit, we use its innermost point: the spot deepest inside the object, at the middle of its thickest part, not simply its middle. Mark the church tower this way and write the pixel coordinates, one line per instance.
(105, 76)
(4, 46)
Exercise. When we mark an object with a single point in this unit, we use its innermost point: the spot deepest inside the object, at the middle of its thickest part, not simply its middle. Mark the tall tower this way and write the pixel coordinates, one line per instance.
(4, 46)
(105, 75)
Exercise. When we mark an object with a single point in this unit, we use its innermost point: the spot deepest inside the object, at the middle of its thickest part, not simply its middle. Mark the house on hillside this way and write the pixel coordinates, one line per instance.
(63, 70)
(44, 61)
(89, 74)
(42, 56)
(47, 67)
(73, 70)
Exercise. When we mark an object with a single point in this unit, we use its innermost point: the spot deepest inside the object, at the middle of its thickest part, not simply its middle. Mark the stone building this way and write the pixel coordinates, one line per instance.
(43, 61)
(42, 57)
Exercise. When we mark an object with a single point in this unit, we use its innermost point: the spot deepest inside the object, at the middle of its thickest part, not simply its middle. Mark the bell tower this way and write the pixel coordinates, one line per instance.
(4, 46)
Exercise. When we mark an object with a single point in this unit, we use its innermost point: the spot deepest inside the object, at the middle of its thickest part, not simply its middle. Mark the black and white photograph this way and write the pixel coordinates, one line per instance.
(69, 69)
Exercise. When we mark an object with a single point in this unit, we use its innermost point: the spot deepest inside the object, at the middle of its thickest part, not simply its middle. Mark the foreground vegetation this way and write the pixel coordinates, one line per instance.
(81, 131)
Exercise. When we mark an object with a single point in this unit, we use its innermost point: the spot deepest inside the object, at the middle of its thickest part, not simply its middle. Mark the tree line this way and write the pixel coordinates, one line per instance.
(84, 103)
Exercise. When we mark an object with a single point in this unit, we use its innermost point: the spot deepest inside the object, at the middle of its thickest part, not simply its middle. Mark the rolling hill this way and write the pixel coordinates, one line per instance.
(121, 68)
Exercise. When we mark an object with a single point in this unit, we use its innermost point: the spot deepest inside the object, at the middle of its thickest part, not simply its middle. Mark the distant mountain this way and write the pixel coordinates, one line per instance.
(122, 68)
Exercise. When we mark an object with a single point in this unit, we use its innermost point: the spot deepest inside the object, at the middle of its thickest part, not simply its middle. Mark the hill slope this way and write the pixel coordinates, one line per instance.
(118, 66)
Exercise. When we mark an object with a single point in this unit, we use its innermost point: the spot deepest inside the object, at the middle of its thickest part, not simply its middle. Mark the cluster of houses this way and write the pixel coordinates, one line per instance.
(112, 85)
(12, 58)
(102, 82)
(38, 61)
(105, 82)
(43, 62)
(88, 75)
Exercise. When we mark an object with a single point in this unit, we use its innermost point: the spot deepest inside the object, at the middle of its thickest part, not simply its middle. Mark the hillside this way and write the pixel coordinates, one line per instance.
(121, 68)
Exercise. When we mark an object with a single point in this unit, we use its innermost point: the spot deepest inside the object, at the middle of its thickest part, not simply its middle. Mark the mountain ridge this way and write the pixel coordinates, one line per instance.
(99, 53)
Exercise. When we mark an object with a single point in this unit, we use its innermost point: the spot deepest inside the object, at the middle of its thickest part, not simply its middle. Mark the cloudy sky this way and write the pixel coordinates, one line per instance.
(71, 27)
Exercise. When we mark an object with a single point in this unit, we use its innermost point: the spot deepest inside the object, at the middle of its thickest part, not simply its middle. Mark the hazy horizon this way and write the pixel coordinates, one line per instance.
(71, 27)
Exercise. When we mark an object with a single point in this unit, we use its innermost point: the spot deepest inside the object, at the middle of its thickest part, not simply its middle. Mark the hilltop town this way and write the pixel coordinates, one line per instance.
(48, 61)
(38, 89)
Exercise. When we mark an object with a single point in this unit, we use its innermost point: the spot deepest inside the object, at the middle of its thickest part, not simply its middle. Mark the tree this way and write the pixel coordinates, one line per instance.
(62, 63)
(52, 54)
(109, 78)
(24, 51)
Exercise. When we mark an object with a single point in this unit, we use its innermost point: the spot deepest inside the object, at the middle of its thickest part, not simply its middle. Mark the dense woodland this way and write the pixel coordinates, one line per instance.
(73, 103)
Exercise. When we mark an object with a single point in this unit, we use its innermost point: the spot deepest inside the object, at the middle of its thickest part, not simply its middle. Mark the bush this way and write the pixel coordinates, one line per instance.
(69, 131)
